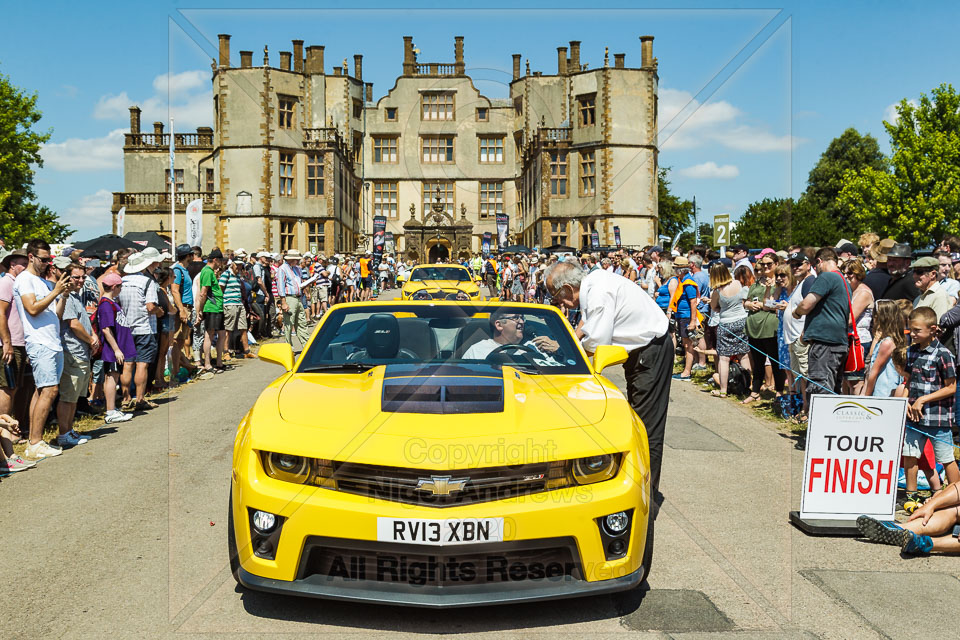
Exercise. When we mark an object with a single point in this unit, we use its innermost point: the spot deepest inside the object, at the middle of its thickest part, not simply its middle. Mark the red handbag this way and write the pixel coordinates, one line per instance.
(855, 360)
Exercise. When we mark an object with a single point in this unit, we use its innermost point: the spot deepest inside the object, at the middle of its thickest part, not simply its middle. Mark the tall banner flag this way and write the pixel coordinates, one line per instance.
(379, 229)
(616, 236)
(485, 243)
(389, 245)
(195, 223)
(121, 218)
(594, 240)
(173, 192)
(503, 221)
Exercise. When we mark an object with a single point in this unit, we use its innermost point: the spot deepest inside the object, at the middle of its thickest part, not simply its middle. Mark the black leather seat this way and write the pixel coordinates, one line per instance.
(382, 336)
(417, 336)
(476, 329)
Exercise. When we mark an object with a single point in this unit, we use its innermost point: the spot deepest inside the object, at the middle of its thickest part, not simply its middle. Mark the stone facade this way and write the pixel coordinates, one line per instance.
(304, 158)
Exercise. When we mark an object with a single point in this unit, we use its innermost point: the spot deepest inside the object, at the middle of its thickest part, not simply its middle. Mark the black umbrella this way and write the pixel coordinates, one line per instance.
(148, 239)
(515, 248)
(559, 248)
(105, 244)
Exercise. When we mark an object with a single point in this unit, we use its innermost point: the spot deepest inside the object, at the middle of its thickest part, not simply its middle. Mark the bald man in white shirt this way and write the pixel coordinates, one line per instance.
(616, 311)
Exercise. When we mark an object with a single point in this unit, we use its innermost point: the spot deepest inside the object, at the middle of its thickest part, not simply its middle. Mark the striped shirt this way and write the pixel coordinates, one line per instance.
(288, 280)
(232, 291)
(139, 289)
(273, 281)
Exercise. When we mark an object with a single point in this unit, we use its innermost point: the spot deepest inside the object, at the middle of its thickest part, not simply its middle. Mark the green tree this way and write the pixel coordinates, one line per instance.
(675, 214)
(822, 221)
(20, 217)
(689, 239)
(918, 198)
(765, 224)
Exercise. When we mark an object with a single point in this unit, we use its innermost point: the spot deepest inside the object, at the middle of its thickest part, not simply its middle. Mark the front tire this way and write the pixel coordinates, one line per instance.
(232, 542)
(647, 552)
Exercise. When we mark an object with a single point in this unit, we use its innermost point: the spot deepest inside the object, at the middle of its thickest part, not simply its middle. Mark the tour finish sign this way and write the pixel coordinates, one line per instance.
(852, 459)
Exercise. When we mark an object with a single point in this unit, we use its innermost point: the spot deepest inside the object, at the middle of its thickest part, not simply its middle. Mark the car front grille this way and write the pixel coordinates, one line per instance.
(398, 484)
(460, 566)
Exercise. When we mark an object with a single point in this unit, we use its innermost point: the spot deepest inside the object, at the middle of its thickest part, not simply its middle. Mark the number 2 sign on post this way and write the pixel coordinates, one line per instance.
(721, 230)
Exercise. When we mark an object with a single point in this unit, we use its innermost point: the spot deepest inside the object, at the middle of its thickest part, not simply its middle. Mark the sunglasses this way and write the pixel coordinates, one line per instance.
(767, 264)
(44, 260)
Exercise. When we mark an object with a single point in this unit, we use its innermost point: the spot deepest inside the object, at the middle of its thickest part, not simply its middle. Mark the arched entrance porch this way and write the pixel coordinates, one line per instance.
(438, 250)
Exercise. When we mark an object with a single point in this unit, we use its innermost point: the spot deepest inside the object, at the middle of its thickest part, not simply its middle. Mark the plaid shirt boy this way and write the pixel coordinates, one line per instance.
(929, 370)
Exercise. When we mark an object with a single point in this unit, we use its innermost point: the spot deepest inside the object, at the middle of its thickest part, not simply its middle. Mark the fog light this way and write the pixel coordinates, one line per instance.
(617, 548)
(265, 549)
(616, 523)
(264, 522)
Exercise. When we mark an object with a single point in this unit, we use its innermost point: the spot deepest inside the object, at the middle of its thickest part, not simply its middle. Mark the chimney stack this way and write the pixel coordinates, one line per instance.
(562, 61)
(358, 66)
(315, 60)
(574, 65)
(618, 60)
(516, 66)
(298, 56)
(134, 119)
(646, 52)
(369, 87)
(409, 59)
(459, 67)
(337, 70)
(224, 49)
(246, 59)
(158, 129)
(285, 60)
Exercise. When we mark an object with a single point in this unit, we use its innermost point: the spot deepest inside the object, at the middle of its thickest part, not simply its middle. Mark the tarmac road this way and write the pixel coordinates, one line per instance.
(126, 536)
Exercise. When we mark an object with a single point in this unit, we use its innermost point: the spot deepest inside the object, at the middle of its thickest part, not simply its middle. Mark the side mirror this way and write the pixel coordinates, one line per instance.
(606, 355)
(277, 352)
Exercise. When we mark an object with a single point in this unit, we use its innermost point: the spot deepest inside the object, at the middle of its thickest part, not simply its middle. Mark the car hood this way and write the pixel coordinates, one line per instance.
(531, 403)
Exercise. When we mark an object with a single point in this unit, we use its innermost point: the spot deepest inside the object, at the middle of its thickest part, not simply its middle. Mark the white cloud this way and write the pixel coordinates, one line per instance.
(890, 113)
(685, 123)
(191, 103)
(90, 215)
(85, 154)
(111, 106)
(711, 170)
(179, 82)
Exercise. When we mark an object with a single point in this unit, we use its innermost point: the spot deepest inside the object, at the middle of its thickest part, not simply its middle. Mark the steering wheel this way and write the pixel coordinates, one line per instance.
(520, 349)
(403, 352)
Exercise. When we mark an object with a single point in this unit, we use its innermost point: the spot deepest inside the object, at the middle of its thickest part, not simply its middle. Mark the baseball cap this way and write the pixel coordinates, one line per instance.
(111, 280)
(739, 247)
(62, 262)
(214, 254)
(798, 256)
(848, 247)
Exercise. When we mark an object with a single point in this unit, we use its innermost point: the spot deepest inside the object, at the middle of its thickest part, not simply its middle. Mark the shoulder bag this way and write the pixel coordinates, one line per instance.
(855, 361)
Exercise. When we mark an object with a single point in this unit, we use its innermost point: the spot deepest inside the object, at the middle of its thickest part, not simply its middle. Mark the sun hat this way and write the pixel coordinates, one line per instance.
(900, 250)
(681, 261)
(7, 259)
(880, 250)
(183, 250)
(214, 254)
(137, 262)
(293, 254)
(152, 254)
(62, 262)
(111, 279)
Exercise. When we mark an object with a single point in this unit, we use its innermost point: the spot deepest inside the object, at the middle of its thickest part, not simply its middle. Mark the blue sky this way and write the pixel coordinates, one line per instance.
(749, 96)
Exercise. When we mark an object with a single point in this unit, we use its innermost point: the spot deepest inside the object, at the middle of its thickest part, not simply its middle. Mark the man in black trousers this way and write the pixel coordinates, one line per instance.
(616, 311)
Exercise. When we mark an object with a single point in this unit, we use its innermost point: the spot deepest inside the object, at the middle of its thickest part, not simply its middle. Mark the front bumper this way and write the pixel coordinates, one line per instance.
(317, 518)
(439, 597)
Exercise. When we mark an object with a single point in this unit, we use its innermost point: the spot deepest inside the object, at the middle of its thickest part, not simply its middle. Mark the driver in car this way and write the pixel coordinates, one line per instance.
(507, 325)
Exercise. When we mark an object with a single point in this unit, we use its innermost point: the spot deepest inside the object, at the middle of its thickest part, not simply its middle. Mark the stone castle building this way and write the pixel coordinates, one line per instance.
(301, 156)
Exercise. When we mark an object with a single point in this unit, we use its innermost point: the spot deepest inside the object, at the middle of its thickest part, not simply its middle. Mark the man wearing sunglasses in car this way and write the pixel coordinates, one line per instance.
(507, 327)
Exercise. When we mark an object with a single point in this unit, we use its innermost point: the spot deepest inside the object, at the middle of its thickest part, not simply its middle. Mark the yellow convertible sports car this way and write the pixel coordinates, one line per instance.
(441, 455)
(440, 282)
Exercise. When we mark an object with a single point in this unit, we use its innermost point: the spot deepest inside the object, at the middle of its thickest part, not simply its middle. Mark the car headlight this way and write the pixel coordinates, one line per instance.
(298, 469)
(596, 468)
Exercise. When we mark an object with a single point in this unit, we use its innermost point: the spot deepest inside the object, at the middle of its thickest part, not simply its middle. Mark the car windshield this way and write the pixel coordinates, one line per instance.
(439, 273)
(533, 340)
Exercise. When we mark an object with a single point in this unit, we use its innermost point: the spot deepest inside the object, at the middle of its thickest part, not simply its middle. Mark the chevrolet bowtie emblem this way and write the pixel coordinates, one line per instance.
(442, 485)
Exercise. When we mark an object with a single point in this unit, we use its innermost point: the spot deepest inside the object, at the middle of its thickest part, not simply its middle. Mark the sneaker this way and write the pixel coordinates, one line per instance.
(917, 544)
(910, 501)
(699, 367)
(15, 463)
(116, 416)
(143, 405)
(206, 375)
(41, 450)
(68, 440)
(677, 376)
(883, 532)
